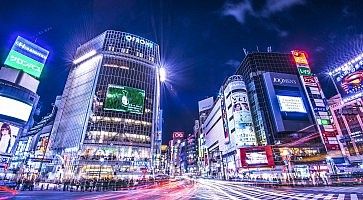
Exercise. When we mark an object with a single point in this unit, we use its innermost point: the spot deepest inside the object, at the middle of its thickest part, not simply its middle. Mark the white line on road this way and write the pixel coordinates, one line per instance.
(353, 197)
(341, 197)
(329, 196)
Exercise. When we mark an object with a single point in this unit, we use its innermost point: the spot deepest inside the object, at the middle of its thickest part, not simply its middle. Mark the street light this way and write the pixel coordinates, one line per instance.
(162, 74)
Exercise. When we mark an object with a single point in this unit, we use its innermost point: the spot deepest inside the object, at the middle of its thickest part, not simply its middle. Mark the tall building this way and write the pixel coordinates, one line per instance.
(252, 68)
(108, 117)
(19, 80)
(347, 107)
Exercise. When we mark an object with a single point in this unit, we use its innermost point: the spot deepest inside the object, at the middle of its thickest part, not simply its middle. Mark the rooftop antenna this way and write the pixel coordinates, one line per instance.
(257, 49)
(269, 49)
(245, 51)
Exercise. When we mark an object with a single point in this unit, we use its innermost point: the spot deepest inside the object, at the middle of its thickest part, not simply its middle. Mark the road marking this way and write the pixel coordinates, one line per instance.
(318, 196)
(329, 196)
(353, 197)
(341, 197)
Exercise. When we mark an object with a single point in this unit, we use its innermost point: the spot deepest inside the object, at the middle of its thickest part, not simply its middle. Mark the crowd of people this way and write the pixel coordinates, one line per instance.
(82, 185)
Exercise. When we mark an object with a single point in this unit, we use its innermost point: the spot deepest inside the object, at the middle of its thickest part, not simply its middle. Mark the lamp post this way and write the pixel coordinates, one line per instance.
(99, 172)
(222, 163)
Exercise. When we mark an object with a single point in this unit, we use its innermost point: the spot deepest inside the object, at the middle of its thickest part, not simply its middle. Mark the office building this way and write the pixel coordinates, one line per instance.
(108, 117)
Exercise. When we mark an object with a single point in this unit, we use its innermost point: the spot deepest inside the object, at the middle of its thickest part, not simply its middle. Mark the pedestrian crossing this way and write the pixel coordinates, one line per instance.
(209, 189)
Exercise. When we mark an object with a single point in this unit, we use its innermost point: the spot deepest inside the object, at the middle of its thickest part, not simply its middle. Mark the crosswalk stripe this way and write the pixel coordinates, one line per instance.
(353, 197)
(341, 197)
(329, 196)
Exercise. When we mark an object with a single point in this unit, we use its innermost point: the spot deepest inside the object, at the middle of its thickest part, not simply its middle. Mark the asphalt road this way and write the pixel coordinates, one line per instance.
(202, 189)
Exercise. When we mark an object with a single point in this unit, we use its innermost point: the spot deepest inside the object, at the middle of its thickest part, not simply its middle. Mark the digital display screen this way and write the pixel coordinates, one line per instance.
(8, 134)
(14, 108)
(291, 104)
(124, 99)
(253, 158)
(27, 56)
(349, 80)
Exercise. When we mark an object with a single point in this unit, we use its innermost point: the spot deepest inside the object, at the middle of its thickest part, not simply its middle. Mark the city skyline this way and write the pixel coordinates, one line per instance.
(196, 40)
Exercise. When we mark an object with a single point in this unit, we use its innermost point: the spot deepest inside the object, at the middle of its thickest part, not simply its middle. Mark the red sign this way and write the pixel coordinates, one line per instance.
(178, 135)
(257, 157)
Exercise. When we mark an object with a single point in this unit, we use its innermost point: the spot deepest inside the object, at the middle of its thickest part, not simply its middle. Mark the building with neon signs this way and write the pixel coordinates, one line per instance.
(347, 107)
(107, 123)
(19, 80)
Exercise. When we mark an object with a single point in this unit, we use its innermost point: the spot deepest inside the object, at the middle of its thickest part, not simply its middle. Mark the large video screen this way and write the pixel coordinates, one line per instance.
(27, 56)
(349, 80)
(291, 104)
(8, 134)
(124, 99)
(14, 108)
(254, 158)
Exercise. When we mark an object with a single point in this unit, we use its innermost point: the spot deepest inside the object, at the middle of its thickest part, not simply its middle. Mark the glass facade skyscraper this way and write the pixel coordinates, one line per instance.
(252, 69)
(107, 123)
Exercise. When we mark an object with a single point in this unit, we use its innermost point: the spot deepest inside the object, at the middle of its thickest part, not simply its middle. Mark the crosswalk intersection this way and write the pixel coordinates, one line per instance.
(209, 189)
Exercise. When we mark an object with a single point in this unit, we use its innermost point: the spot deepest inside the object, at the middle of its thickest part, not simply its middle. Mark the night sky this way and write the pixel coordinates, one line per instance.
(201, 42)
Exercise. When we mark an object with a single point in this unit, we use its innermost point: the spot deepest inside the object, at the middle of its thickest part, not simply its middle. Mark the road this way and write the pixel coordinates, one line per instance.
(202, 189)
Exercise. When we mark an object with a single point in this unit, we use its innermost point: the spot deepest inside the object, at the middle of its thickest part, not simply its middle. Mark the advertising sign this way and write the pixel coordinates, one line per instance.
(349, 80)
(124, 99)
(14, 108)
(205, 104)
(261, 156)
(242, 118)
(318, 102)
(291, 104)
(8, 134)
(178, 135)
(27, 56)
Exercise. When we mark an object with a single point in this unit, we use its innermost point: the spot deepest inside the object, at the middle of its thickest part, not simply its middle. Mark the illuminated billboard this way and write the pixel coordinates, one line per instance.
(261, 156)
(349, 79)
(8, 134)
(124, 99)
(291, 104)
(14, 108)
(27, 56)
(244, 134)
(178, 135)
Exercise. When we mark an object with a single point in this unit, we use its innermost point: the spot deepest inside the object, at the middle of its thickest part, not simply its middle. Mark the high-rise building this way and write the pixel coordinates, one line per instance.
(252, 68)
(108, 117)
(19, 80)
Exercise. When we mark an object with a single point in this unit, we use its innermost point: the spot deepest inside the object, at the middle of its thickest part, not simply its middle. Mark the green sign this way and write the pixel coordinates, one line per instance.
(124, 99)
(324, 122)
(304, 71)
(28, 65)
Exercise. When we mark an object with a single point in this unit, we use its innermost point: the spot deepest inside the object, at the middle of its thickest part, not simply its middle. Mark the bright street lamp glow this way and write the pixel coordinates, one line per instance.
(162, 74)
(84, 57)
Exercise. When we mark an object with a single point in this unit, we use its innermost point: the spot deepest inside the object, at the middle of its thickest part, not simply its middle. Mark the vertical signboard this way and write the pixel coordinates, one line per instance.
(225, 119)
(243, 119)
(318, 103)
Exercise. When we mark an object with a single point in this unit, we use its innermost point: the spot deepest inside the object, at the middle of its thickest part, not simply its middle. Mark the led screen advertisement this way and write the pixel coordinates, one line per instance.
(261, 156)
(242, 118)
(14, 109)
(124, 99)
(349, 80)
(27, 56)
(291, 104)
(8, 134)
